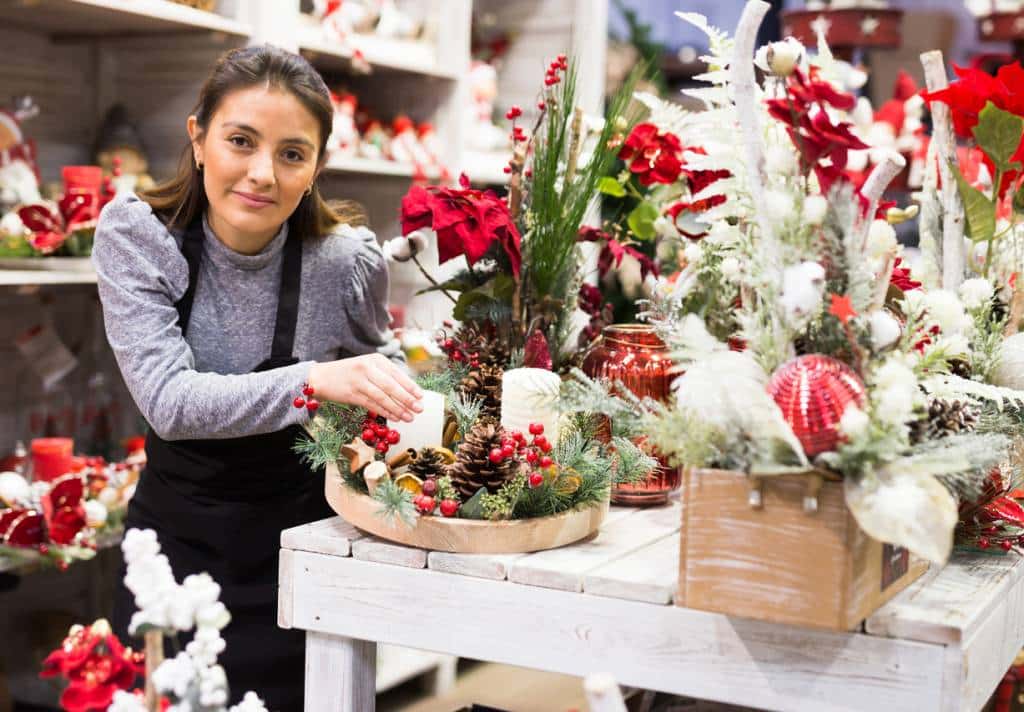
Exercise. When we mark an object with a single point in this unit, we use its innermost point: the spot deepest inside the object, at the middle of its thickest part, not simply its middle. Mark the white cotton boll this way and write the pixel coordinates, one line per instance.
(802, 287)
(895, 392)
(692, 253)
(108, 496)
(815, 209)
(945, 309)
(181, 612)
(881, 136)
(127, 702)
(14, 489)
(778, 205)
(885, 329)
(139, 544)
(781, 58)
(203, 589)
(953, 344)
(212, 615)
(913, 107)
(976, 292)
(397, 250)
(1009, 371)
(730, 268)
(881, 239)
(858, 160)
(722, 233)
(250, 703)
(175, 675)
(854, 422)
(95, 513)
(780, 159)
(11, 224)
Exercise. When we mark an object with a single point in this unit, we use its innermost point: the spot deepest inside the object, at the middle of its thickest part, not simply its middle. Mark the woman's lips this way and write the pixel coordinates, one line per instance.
(252, 200)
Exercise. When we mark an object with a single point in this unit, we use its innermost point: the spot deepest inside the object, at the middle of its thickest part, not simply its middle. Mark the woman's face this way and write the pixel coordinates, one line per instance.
(259, 155)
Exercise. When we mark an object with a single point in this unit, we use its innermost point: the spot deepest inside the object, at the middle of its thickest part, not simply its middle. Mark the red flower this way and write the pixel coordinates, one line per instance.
(467, 222)
(901, 278)
(612, 251)
(590, 299)
(65, 523)
(52, 224)
(698, 180)
(96, 666)
(654, 157)
(967, 96)
(686, 210)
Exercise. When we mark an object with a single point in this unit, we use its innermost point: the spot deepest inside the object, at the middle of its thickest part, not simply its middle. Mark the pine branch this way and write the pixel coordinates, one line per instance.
(335, 425)
(466, 410)
(632, 464)
(395, 503)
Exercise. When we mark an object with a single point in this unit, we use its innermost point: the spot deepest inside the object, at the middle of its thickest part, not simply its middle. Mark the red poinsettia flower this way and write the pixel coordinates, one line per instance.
(51, 224)
(684, 216)
(467, 221)
(96, 665)
(63, 509)
(612, 252)
(974, 88)
(654, 157)
(698, 180)
(901, 278)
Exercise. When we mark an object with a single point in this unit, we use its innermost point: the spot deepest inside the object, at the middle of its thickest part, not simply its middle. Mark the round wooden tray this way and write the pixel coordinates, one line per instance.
(463, 536)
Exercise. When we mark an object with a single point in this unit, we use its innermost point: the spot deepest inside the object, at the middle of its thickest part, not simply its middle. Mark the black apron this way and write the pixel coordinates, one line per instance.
(219, 506)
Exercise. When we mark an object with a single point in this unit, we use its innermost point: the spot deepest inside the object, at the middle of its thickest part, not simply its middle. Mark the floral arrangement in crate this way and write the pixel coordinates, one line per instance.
(60, 521)
(103, 674)
(806, 345)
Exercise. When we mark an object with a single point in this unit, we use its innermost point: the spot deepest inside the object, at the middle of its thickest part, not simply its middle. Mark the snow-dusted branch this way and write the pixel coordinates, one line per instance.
(879, 179)
(953, 257)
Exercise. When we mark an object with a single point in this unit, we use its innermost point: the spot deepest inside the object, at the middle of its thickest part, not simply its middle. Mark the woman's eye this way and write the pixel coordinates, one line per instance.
(293, 155)
(240, 141)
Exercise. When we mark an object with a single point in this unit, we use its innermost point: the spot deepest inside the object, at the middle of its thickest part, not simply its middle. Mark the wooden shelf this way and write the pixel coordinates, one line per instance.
(28, 271)
(382, 53)
(374, 167)
(90, 18)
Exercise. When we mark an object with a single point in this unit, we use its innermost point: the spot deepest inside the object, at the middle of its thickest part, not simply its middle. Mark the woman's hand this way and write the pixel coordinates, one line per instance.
(372, 382)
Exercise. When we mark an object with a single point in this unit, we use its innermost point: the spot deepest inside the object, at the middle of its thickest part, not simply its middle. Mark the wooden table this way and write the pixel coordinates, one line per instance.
(605, 605)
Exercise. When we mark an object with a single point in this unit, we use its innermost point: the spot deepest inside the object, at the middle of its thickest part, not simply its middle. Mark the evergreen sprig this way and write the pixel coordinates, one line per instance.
(466, 410)
(395, 502)
(444, 380)
(335, 425)
(632, 464)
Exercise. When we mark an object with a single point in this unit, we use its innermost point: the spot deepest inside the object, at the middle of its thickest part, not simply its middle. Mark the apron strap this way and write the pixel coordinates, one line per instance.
(192, 248)
(288, 299)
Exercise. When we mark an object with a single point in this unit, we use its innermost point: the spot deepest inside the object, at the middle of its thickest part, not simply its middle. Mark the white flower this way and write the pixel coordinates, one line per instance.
(881, 239)
(175, 675)
(895, 392)
(213, 687)
(730, 268)
(212, 615)
(780, 58)
(815, 209)
(945, 308)
(138, 544)
(854, 422)
(778, 205)
(780, 159)
(95, 513)
(14, 489)
(250, 703)
(692, 253)
(722, 233)
(126, 702)
(802, 286)
(205, 646)
(885, 330)
(976, 292)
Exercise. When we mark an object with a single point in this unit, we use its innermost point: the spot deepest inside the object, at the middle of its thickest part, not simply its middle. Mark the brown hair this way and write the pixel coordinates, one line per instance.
(182, 199)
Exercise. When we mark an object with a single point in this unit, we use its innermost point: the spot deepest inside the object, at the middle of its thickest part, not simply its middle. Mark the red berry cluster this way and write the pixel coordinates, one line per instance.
(378, 434)
(458, 351)
(427, 502)
(552, 76)
(537, 454)
(308, 402)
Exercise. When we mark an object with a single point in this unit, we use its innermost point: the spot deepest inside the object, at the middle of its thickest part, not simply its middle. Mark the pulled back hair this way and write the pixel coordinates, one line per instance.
(182, 199)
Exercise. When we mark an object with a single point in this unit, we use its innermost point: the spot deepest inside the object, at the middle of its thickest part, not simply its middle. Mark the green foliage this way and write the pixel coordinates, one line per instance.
(610, 186)
(395, 502)
(960, 462)
(494, 294)
(979, 211)
(444, 380)
(690, 441)
(466, 410)
(446, 490)
(633, 465)
(501, 504)
(334, 426)
(580, 393)
(473, 507)
(987, 342)
(641, 220)
(998, 134)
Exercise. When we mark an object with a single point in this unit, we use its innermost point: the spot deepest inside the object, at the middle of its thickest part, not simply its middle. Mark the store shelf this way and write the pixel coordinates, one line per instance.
(26, 271)
(88, 18)
(410, 56)
(375, 167)
(486, 168)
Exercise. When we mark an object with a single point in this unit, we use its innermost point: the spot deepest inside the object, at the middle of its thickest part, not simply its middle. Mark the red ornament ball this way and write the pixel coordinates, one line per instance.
(546, 461)
(449, 507)
(983, 542)
(813, 391)
(426, 504)
(1006, 544)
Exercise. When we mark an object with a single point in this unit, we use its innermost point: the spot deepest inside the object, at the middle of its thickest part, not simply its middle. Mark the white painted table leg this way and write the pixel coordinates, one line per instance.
(340, 674)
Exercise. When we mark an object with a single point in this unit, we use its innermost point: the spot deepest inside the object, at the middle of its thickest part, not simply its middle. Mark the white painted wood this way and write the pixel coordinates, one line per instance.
(328, 536)
(370, 548)
(396, 664)
(340, 673)
(674, 649)
(77, 18)
(565, 568)
(949, 605)
(285, 589)
(650, 574)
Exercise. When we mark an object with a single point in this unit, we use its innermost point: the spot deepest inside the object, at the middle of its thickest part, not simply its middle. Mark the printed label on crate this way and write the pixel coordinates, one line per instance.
(895, 563)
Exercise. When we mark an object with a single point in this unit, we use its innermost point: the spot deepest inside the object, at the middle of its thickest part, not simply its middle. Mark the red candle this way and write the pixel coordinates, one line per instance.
(51, 458)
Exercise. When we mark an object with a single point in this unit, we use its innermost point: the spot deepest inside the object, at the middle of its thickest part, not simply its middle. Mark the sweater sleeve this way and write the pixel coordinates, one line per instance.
(141, 274)
(365, 281)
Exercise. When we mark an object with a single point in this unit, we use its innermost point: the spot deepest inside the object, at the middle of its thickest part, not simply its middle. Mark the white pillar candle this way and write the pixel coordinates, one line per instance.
(530, 395)
(427, 428)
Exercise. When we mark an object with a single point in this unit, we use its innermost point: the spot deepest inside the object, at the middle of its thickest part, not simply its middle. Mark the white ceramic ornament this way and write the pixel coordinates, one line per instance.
(14, 488)
(530, 395)
(1009, 372)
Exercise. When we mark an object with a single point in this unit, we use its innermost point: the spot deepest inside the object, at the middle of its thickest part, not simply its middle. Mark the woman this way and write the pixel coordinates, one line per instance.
(225, 292)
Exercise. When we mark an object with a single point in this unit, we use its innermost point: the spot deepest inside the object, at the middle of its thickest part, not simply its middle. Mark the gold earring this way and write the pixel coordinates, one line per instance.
(199, 165)
(309, 190)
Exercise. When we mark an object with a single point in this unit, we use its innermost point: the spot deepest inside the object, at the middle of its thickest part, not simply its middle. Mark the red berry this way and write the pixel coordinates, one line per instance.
(430, 486)
(514, 112)
(536, 479)
(518, 436)
(496, 455)
(299, 402)
(541, 105)
(507, 169)
(550, 81)
(381, 431)
(536, 428)
(508, 440)
(371, 415)
(528, 173)
(44, 549)
(426, 504)
(307, 390)
(508, 450)
(312, 405)
(532, 457)
(393, 437)
(457, 355)
(1006, 544)
(62, 565)
(561, 58)
(382, 446)
(546, 461)
(369, 437)
(983, 542)
(449, 507)
(542, 442)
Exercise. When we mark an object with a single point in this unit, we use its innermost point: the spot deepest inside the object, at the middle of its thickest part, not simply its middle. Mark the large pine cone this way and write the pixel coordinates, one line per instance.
(481, 343)
(943, 418)
(473, 468)
(428, 463)
(485, 383)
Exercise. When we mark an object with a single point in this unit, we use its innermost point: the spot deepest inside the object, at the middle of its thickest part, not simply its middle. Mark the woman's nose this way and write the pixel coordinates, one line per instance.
(261, 169)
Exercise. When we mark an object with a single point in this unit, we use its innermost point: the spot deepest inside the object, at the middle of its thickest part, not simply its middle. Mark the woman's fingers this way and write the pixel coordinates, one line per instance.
(383, 396)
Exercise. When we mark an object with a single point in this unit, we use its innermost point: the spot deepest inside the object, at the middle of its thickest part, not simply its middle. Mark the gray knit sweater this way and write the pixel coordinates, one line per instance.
(200, 386)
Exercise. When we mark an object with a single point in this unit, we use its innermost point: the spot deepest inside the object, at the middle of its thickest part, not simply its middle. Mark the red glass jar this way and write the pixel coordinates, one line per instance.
(636, 357)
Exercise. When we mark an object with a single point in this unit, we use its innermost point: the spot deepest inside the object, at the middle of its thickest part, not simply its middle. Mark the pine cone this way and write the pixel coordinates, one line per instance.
(959, 367)
(481, 343)
(942, 419)
(485, 382)
(428, 463)
(473, 468)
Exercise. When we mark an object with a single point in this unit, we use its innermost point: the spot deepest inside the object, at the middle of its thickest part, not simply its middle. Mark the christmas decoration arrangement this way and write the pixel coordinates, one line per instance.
(804, 342)
(342, 21)
(102, 673)
(58, 521)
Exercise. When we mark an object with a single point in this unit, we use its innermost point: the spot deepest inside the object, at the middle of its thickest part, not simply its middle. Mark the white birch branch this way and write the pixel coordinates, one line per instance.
(879, 179)
(953, 257)
(745, 86)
